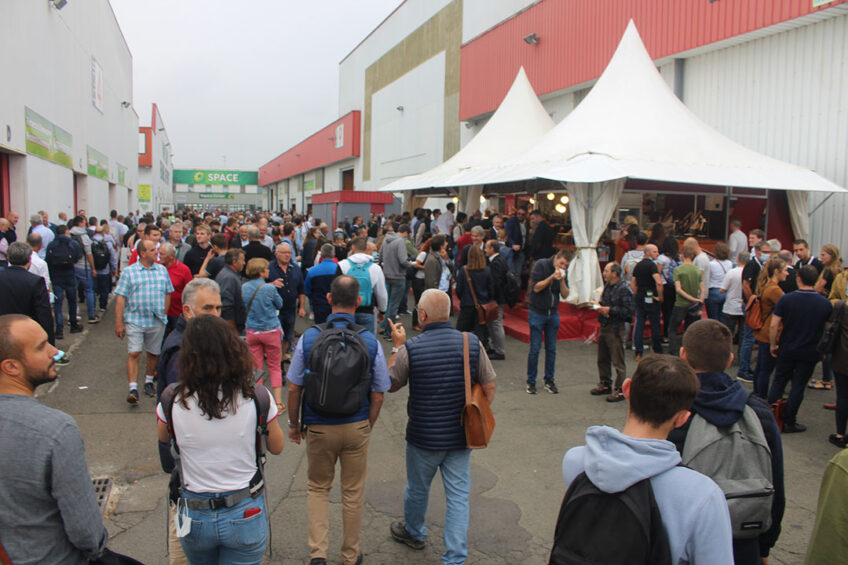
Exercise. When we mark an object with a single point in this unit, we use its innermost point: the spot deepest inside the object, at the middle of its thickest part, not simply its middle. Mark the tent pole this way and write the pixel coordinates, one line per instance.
(589, 205)
(765, 226)
(813, 211)
(727, 191)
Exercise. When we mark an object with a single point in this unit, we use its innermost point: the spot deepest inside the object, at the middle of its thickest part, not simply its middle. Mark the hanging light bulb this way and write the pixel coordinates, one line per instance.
(564, 199)
(560, 208)
(551, 196)
(482, 199)
(455, 200)
(532, 201)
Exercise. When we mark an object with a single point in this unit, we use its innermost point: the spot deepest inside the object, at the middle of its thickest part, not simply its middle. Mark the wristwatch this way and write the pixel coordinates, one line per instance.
(395, 349)
(293, 425)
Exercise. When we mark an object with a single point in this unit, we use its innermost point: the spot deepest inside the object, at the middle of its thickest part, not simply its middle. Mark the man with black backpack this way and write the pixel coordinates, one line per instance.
(732, 438)
(60, 257)
(338, 372)
(629, 500)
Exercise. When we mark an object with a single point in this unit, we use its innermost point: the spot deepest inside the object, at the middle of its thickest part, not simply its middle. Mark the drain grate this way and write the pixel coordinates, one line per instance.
(102, 488)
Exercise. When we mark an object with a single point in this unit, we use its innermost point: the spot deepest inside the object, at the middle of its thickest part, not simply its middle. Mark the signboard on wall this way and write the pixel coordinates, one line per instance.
(217, 195)
(122, 174)
(309, 185)
(196, 176)
(144, 193)
(47, 140)
(98, 163)
(340, 136)
(96, 85)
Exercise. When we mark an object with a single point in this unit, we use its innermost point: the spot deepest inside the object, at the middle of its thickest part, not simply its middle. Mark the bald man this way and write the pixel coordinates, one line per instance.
(647, 286)
(432, 364)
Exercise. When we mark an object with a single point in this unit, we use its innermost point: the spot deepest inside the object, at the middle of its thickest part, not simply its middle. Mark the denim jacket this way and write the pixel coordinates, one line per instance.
(262, 315)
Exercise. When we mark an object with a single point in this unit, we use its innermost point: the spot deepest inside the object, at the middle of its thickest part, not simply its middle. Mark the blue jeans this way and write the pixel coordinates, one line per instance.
(516, 262)
(104, 286)
(61, 287)
(86, 281)
(287, 319)
(549, 325)
(455, 467)
(395, 288)
(226, 536)
(765, 366)
(798, 371)
(365, 320)
(745, 351)
(714, 303)
(652, 312)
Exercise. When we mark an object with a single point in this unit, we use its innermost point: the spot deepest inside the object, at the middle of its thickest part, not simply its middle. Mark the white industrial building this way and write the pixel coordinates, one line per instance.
(770, 76)
(155, 166)
(68, 130)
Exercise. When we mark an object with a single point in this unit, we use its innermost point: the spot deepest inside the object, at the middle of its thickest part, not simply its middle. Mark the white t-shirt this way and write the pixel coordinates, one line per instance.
(419, 273)
(217, 455)
(718, 269)
(443, 223)
(732, 287)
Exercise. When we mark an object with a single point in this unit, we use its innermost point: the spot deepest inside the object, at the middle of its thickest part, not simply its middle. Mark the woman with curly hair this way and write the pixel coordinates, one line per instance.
(769, 292)
(214, 423)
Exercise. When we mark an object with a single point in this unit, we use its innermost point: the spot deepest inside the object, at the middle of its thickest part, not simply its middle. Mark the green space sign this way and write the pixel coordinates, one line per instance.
(195, 176)
(98, 163)
(47, 140)
(220, 195)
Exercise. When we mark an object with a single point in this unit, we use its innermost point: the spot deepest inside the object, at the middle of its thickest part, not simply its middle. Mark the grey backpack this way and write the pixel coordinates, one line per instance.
(738, 459)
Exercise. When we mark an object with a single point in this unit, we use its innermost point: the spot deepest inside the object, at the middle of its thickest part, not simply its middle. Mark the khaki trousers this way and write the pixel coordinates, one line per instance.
(175, 550)
(611, 351)
(324, 446)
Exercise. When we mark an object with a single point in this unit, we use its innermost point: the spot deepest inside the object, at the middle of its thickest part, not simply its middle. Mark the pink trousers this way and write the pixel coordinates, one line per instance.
(266, 345)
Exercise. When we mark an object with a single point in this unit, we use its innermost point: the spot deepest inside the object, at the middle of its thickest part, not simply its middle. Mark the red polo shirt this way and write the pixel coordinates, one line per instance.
(180, 277)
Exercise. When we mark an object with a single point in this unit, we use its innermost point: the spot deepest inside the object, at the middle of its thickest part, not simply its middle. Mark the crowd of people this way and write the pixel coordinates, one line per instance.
(212, 298)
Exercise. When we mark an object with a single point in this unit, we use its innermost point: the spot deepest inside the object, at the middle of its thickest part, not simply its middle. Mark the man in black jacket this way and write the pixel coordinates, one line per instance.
(548, 284)
(616, 308)
(498, 268)
(21, 292)
(722, 401)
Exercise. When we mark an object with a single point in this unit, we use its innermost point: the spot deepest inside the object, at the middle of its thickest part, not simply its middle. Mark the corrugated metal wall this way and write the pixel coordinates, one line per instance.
(785, 95)
(577, 38)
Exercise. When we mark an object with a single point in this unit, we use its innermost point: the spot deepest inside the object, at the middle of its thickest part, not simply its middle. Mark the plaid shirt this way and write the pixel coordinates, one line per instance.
(145, 290)
(619, 298)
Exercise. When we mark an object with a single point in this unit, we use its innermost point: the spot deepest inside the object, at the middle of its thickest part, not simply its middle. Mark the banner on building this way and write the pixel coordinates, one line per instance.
(98, 163)
(122, 174)
(308, 185)
(96, 85)
(196, 176)
(47, 140)
(144, 193)
(218, 195)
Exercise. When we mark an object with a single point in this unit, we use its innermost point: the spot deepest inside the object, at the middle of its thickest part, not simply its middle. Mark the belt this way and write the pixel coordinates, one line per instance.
(224, 501)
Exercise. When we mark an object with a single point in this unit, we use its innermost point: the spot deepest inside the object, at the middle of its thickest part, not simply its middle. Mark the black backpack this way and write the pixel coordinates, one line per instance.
(338, 372)
(512, 292)
(583, 535)
(62, 253)
(100, 254)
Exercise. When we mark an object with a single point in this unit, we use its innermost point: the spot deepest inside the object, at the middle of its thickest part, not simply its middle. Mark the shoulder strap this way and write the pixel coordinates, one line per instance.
(166, 399)
(255, 292)
(466, 367)
(471, 287)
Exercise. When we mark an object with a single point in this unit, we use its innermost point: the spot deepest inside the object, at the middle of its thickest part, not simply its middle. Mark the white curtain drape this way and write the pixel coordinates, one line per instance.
(469, 198)
(413, 202)
(592, 205)
(799, 213)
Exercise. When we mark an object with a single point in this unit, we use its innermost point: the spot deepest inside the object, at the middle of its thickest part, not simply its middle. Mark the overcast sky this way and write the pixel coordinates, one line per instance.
(239, 82)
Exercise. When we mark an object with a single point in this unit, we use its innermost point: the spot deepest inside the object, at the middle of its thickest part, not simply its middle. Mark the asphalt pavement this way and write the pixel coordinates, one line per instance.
(516, 487)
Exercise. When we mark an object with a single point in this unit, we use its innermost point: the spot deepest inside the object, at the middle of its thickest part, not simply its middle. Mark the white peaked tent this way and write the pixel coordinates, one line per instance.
(518, 123)
(631, 125)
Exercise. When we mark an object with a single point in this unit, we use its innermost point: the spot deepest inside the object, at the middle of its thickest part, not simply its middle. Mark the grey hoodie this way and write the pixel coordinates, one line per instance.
(81, 236)
(394, 257)
(693, 508)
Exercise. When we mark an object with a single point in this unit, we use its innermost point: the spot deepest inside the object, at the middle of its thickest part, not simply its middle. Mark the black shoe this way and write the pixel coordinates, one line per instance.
(601, 390)
(838, 441)
(358, 560)
(132, 397)
(551, 387)
(615, 397)
(149, 390)
(63, 361)
(318, 561)
(497, 357)
(531, 388)
(794, 428)
(59, 334)
(76, 329)
(399, 534)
